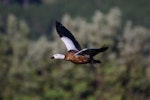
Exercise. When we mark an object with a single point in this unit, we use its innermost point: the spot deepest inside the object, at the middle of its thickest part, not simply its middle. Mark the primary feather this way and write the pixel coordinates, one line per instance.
(67, 37)
(91, 52)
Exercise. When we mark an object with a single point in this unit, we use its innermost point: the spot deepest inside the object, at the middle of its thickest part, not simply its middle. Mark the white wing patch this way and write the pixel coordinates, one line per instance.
(69, 44)
(81, 51)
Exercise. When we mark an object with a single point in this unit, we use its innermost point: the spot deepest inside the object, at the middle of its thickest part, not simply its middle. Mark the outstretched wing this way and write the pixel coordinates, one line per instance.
(91, 52)
(66, 36)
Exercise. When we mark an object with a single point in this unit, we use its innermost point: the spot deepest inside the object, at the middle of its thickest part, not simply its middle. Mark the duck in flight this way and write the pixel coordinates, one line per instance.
(75, 54)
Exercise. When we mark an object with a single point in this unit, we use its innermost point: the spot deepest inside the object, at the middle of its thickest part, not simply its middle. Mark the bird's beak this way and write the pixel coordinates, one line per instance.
(52, 57)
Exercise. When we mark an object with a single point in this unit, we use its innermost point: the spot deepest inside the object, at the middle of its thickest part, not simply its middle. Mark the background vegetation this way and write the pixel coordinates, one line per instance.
(28, 39)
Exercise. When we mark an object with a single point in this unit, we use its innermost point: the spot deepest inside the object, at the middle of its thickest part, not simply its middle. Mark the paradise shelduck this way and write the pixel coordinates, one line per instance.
(75, 54)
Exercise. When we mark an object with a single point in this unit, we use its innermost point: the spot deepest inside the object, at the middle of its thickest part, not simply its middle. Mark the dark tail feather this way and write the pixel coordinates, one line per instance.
(95, 61)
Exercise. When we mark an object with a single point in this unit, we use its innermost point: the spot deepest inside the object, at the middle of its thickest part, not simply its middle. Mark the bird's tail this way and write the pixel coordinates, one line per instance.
(95, 61)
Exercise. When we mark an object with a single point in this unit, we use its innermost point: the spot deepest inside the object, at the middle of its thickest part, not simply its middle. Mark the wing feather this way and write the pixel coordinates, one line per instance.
(91, 52)
(67, 37)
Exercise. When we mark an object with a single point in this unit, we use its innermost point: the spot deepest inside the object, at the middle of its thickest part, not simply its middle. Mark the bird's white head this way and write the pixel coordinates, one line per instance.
(58, 56)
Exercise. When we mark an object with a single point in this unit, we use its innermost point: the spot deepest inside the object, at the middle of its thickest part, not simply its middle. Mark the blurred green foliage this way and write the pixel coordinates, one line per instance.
(41, 14)
(27, 73)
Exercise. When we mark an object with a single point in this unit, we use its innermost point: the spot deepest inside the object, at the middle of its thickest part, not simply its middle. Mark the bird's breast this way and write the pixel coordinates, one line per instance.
(78, 59)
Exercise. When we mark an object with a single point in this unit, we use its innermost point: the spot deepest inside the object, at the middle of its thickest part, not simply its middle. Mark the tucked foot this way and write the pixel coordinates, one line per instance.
(95, 61)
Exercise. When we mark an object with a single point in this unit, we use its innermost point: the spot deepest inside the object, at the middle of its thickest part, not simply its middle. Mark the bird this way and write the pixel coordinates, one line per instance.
(74, 53)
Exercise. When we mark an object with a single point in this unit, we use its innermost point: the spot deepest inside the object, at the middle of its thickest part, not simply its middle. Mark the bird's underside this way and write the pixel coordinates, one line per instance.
(84, 56)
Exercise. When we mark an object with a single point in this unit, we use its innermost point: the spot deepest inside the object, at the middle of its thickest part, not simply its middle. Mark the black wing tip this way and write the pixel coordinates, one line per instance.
(59, 28)
(104, 48)
(57, 23)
